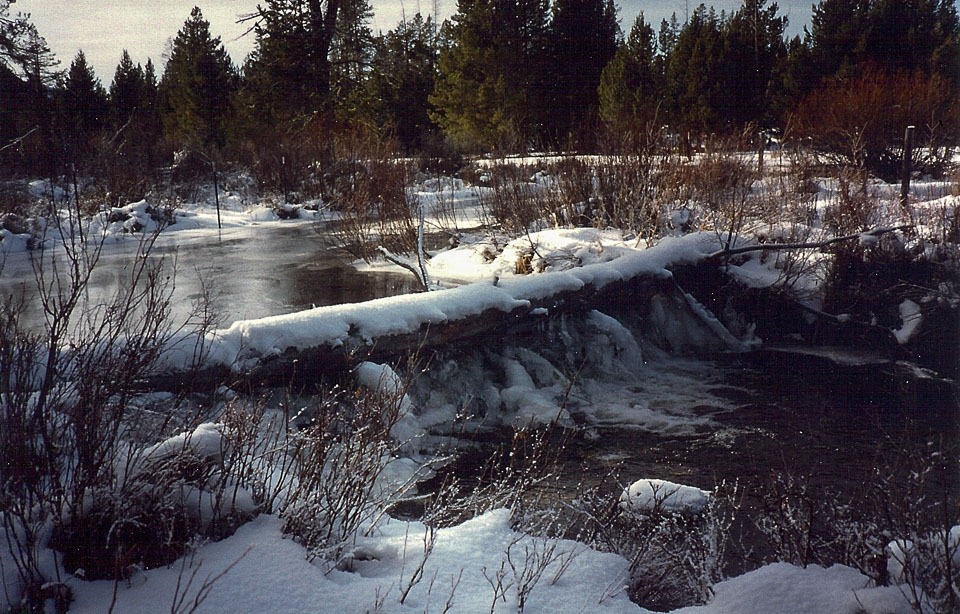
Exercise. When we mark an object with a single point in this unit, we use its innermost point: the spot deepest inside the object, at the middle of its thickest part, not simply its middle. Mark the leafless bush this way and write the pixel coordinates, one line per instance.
(918, 507)
(856, 209)
(14, 200)
(859, 121)
(518, 476)
(514, 202)
(369, 191)
(804, 525)
(340, 458)
(66, 390)
(900, 529)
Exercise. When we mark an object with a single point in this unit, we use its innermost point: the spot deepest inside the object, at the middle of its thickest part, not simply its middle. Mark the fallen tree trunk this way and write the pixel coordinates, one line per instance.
(300, 367)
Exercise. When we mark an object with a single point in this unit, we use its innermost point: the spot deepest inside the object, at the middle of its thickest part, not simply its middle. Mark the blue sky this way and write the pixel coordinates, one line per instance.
(104, 28)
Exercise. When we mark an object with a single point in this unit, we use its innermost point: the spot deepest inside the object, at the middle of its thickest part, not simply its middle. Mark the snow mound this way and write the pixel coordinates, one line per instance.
(206, 441)
(649, 495)
(781, 588)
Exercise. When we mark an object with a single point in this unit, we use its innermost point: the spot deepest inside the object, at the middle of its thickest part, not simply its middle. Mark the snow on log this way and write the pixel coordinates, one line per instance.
(389, 326)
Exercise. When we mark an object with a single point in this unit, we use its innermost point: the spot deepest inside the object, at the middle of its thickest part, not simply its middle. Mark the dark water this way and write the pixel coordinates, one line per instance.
(836, 430)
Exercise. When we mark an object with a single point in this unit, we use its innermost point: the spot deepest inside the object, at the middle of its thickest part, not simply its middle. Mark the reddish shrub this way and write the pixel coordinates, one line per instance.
(860, 120)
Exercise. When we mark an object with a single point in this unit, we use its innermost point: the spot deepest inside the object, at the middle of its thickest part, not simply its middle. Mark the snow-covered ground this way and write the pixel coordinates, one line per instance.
(269, 573)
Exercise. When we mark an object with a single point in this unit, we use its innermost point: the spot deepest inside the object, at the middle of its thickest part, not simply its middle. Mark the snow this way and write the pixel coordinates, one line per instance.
(205, 441)
(270, 573)
(780, 588)
(910, 319)
(648, 495)
(335, 326)
(274, 576)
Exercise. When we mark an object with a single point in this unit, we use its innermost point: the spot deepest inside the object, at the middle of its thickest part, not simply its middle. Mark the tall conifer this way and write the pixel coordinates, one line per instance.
(196, 86)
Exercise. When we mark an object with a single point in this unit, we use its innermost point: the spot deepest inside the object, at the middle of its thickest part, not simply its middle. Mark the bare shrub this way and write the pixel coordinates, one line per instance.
(856, 209)
(369, 191)
(860, 121)
(514, 202)
(323, 478)
(806, 525)
(901, 529)
(14, 201)
(66, 392)
(917, 504)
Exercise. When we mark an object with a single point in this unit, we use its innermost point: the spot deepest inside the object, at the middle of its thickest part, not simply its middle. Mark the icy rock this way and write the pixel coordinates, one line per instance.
(910, 316)
(648, 495)
(206, 441)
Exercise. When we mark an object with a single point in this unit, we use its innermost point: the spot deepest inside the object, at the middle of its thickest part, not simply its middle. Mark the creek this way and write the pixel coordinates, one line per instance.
(691, 421)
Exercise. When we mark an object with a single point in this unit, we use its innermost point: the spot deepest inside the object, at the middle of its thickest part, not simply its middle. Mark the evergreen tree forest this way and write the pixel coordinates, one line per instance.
(499, 76)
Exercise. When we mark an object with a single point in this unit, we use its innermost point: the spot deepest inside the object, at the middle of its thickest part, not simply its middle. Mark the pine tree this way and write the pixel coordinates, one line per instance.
(196, 87)
(38, 65)
(629, 89)
(350, 55)
(890, 34)
(83, 105)
(403, 76)
(490, 87)
(753, 48)
(13, 33)
(125, 90)
(289, 74)
(696, 94)
(585, 37)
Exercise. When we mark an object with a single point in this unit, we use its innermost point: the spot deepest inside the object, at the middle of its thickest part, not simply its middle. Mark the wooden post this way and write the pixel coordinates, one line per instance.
(76, 200)
(761, 146)
(907, 167)
(216, 193)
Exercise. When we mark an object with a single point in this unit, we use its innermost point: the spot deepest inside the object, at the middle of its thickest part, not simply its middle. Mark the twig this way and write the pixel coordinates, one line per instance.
(19, 139)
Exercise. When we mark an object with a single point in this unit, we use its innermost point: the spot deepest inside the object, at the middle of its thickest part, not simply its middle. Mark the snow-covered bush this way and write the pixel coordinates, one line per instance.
(675, 537)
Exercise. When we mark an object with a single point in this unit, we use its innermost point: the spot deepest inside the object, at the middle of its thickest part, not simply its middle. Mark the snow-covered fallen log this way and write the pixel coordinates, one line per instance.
(329, 339)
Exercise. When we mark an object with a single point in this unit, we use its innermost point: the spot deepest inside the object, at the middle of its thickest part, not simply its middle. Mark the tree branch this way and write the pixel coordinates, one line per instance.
(769, 247)
(400, 263)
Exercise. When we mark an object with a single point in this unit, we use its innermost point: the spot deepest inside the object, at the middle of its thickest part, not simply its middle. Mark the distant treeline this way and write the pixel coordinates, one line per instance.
(500, 75)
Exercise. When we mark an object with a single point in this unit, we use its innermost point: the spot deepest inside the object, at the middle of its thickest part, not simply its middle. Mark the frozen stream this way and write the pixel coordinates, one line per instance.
(253, 271)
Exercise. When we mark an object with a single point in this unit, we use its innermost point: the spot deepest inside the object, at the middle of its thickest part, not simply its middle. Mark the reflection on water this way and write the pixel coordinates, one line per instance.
(250, 273)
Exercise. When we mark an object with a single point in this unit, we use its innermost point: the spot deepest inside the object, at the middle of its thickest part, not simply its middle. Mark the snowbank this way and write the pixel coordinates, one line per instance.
(781, 588)
(274, 575)
(270, 573)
